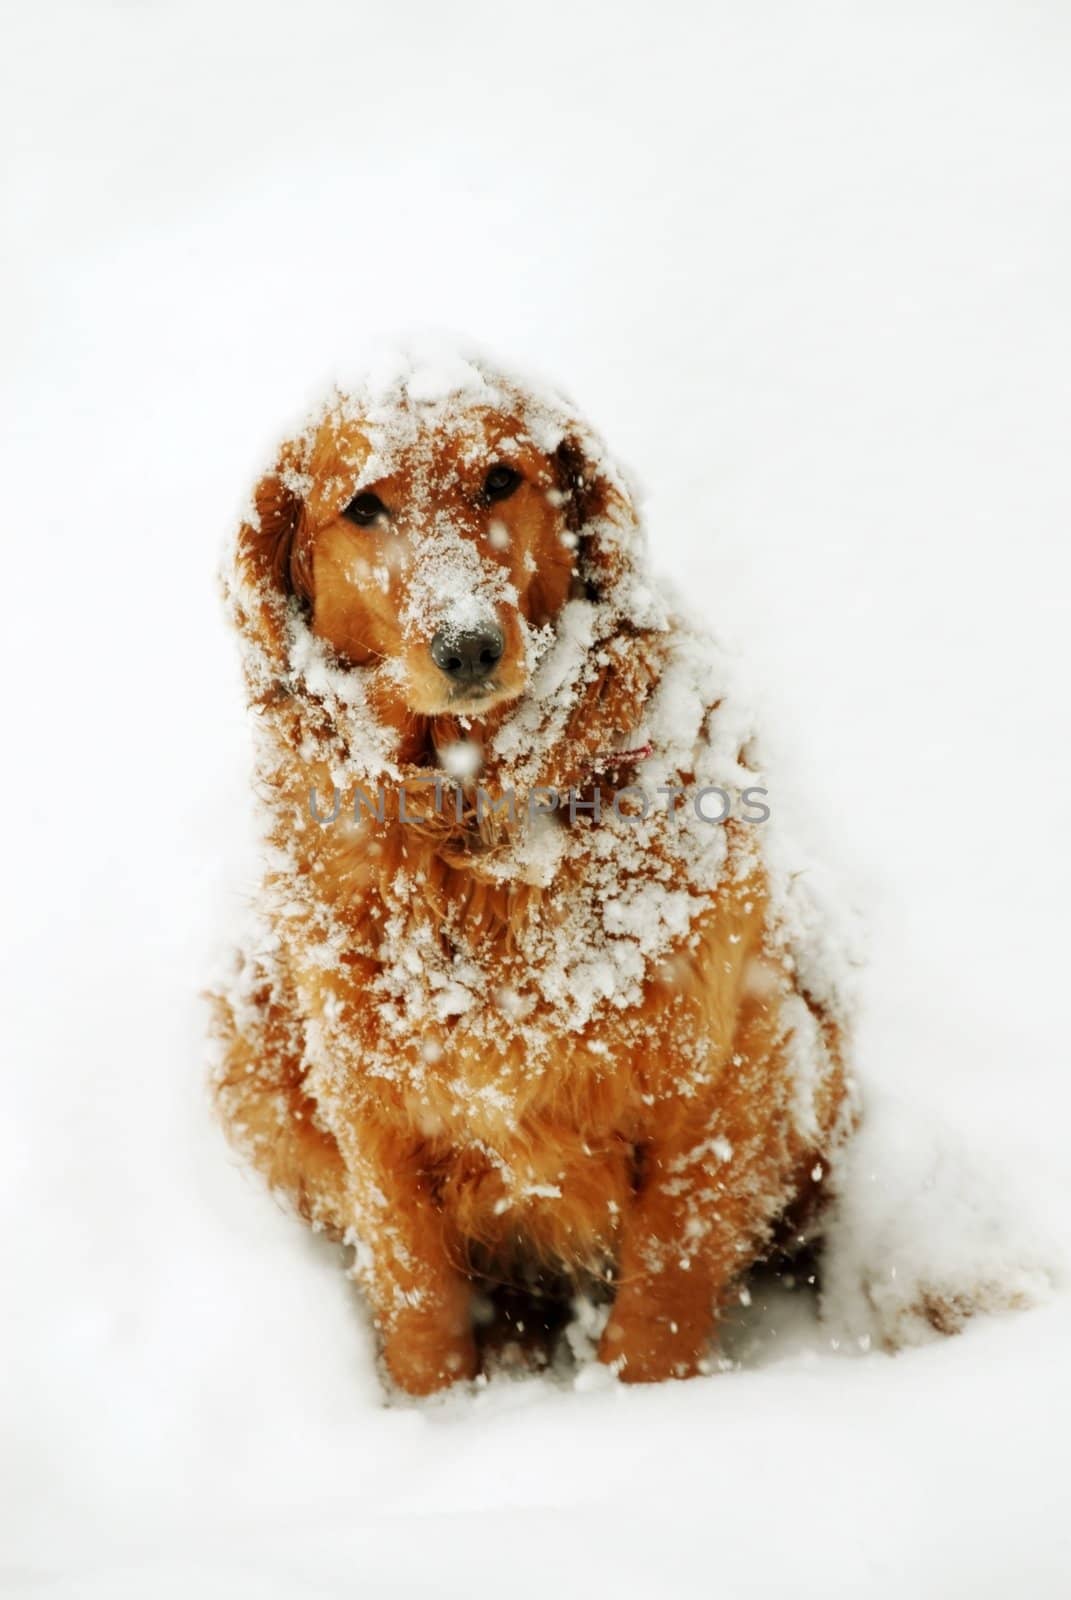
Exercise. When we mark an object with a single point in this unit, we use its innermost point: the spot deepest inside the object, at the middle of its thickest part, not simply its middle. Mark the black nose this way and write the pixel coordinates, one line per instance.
(467, 655)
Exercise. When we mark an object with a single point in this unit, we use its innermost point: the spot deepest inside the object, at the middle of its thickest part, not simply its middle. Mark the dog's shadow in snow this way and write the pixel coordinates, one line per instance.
(772, 1318)
(775, 1318)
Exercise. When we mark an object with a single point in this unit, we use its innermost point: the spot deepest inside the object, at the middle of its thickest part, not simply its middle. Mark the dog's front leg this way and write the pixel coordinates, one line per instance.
(663, 1313)
(420, 1301)
(695, 1224)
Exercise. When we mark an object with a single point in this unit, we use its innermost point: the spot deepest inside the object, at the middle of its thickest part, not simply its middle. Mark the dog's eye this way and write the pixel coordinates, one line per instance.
(500, 482)
(364, 509)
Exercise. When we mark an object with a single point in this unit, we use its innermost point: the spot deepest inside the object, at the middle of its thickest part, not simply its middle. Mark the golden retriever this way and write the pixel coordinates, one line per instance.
(533, 1002)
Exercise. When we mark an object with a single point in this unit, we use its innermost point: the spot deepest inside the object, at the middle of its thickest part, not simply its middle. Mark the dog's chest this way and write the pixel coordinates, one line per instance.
(478, 1010)
(545, 1155)
(510, 965)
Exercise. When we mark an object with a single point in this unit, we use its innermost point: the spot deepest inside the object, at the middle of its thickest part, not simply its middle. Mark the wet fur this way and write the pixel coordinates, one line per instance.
(616, 1158)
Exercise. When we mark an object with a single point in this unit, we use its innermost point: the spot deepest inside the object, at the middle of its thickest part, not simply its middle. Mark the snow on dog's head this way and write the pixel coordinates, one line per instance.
(429, 527)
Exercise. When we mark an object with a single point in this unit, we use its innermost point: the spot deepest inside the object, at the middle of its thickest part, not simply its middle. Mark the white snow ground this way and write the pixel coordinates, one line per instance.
(807, 267)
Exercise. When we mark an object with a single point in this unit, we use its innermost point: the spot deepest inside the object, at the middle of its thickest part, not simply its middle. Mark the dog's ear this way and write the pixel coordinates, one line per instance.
(273, 559)
(272, 571)
(578, 483)
(598, 510)
(275, 544)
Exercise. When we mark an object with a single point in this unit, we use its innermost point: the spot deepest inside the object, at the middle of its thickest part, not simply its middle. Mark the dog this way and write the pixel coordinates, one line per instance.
(518, 1014)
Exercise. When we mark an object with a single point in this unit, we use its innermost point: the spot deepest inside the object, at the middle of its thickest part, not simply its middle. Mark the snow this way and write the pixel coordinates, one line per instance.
(806, 271)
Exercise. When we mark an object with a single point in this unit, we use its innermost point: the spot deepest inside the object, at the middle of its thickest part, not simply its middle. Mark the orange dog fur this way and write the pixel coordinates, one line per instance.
(476, 1045)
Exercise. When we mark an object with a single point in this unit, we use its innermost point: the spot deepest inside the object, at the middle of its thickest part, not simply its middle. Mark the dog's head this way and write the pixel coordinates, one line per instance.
(429, 527)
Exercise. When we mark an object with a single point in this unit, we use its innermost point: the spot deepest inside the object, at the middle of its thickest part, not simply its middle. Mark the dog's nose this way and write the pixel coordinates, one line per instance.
(468, 654)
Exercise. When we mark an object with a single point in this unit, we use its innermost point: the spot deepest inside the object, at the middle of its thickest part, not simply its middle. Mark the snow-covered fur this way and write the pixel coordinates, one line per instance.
(512, 1012)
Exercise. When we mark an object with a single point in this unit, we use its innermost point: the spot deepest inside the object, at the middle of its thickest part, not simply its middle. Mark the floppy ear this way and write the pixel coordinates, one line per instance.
(272, 567)
(598, 509)
(276, 546)
(273, 560)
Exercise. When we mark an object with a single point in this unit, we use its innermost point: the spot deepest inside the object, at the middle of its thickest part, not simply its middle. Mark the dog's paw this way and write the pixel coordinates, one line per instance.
(421, 1361)
(642, 1343)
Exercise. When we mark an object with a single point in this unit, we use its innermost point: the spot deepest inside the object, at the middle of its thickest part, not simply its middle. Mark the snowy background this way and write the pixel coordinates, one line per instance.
(807, 267)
